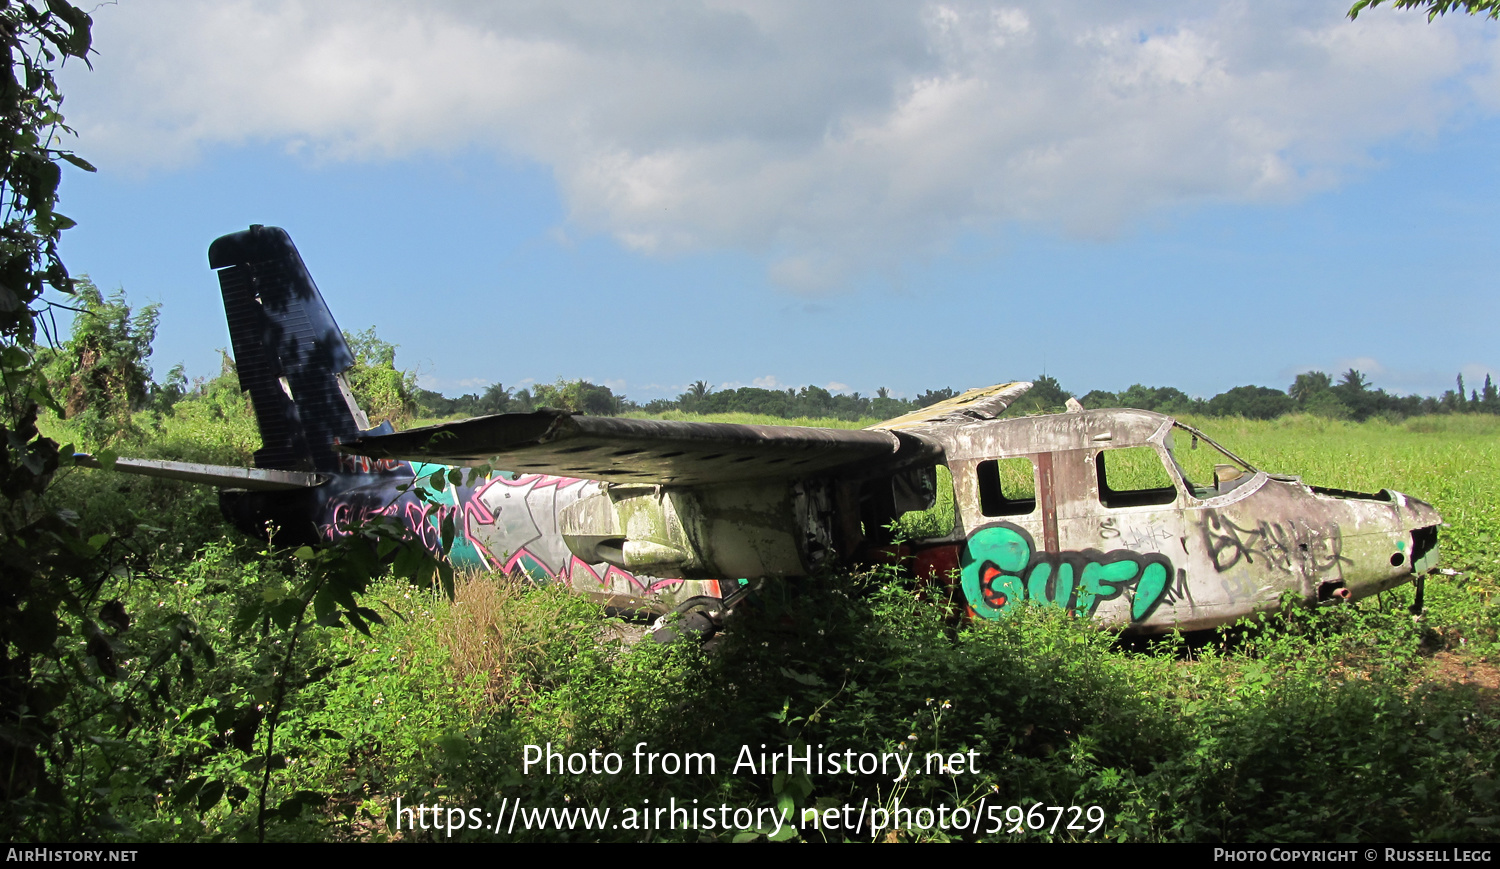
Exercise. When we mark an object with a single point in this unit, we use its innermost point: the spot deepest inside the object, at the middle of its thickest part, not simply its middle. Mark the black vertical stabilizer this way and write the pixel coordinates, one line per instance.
(289, 351)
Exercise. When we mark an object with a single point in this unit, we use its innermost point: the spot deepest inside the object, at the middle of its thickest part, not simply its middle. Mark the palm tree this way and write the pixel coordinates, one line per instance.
(1308, 384)
(1354, 381)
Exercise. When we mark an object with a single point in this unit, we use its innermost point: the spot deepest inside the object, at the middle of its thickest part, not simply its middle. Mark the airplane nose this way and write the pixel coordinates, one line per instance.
(1390, 539)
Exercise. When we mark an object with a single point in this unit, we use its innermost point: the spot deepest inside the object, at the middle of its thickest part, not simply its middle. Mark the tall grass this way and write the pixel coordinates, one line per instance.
(1452, 462)
(1353, 723)
(1313, 726)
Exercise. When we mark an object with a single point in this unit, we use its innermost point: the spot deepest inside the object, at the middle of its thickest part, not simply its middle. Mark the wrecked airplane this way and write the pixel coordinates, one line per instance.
(1128, 517)
(1089, 511)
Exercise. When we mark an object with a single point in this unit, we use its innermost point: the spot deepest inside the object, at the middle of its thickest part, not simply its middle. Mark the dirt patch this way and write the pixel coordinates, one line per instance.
(627, 633)
(1449, 670)
(1453, 669)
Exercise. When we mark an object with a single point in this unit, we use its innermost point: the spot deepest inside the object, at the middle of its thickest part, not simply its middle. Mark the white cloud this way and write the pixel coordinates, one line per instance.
(831, 139)
(767, 382)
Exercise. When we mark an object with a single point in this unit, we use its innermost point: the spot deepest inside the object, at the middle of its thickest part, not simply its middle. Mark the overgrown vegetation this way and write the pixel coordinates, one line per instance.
(212, 688)
(1354, 723)
(52, 576)
(385, 392)
(100, 373)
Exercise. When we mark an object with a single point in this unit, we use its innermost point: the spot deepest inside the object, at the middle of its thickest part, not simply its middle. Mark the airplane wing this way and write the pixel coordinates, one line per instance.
(733, 500)
(223, 476)
(986, 403)
(672, 453)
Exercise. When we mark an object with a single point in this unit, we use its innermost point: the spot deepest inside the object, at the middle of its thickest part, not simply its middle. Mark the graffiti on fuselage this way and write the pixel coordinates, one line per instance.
(1001, 570)
(366, 465)
(1289, 547)
(504, 522)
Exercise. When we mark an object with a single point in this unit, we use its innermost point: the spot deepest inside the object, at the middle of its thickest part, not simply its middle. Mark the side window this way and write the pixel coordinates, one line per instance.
(1133, 477)
(936, 521)
(1007, 487)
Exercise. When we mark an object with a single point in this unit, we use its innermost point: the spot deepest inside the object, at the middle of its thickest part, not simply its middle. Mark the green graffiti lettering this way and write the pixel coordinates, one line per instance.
(1037, 581)
(1103, 582)
(1149, 590)
(1000, 569)
(991, 569)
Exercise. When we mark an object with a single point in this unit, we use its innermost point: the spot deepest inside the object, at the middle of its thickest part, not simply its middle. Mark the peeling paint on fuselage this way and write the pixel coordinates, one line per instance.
(502, 522)
(1214, 554)
(1177, 555)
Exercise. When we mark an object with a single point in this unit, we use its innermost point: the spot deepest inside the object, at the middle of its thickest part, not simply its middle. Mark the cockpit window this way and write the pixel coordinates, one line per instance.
(1133, 477)
(1206, 468)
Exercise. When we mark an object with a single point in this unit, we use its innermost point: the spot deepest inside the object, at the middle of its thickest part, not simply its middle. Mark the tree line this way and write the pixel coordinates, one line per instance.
(101, 375)
(1314, 392)
(1353, 397)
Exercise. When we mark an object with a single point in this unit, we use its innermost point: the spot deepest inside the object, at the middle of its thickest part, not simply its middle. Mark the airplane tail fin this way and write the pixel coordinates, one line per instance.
(289, 352)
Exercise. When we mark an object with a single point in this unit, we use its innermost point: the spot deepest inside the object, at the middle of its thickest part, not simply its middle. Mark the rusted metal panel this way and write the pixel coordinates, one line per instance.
(1046, 498)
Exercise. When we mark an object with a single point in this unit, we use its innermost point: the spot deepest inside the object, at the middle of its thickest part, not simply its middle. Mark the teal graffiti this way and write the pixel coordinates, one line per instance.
(1001, 569)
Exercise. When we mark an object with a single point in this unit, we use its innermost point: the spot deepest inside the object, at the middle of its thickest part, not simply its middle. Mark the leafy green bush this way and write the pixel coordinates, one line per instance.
(384, 391)
(101, 373)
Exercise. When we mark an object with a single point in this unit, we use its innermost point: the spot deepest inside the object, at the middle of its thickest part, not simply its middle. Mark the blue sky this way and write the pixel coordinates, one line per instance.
(903, 195)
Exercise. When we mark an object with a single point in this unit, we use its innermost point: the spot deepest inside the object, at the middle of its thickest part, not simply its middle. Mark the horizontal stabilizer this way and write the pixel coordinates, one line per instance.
(223, 476)
(646, 451)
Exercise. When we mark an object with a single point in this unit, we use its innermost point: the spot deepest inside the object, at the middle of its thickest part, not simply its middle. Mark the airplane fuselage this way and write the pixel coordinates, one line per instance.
(503, 522)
